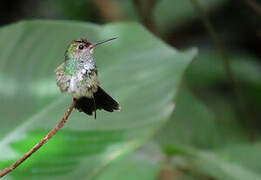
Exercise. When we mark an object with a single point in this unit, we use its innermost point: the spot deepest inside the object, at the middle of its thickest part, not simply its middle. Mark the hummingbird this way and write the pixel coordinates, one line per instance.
(78, 77)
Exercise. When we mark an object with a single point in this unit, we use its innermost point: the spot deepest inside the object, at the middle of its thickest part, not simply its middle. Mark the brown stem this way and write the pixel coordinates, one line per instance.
(41, 143)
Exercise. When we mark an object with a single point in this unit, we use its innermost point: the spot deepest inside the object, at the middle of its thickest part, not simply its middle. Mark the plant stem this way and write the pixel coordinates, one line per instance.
(41, 143)
(227, 65)
(213, 35)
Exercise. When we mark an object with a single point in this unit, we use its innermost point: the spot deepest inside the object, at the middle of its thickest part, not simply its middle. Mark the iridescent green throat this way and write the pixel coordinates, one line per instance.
(69, 68)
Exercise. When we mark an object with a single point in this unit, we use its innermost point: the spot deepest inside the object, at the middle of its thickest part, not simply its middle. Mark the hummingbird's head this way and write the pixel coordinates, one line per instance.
(82, 47)
(78, 48)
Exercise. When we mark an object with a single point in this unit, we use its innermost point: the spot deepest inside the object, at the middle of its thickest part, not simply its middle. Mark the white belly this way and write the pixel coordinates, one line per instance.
(83, 85)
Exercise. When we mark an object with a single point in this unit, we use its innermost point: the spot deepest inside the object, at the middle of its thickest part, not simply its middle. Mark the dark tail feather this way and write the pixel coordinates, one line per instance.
(105, 101)
(100, 100)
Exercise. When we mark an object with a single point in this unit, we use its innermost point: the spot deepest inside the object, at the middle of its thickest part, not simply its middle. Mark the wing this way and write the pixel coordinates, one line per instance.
(60, 68)
(62, 80)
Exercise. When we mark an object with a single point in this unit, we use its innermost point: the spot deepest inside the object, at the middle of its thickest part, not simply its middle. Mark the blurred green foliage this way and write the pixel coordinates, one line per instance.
(129, 68)
(214, 130)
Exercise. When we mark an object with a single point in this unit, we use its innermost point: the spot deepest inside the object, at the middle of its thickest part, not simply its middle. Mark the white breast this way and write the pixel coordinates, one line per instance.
(83, 84)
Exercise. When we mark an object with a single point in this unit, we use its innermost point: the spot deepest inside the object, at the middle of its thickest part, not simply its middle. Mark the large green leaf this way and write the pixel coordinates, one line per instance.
(139, 70)
(210, 164)
(207, 78)
(208, 145)
(143, 164)
(194, 124)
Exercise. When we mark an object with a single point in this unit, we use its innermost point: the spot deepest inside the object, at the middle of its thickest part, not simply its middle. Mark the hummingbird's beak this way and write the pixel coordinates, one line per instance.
(100, 42)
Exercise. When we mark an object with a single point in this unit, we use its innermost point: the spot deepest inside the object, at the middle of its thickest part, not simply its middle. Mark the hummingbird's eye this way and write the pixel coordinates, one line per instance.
(81, 47)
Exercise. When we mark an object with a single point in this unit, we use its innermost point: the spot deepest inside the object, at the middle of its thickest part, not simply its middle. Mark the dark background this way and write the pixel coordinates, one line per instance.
(239, 20)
